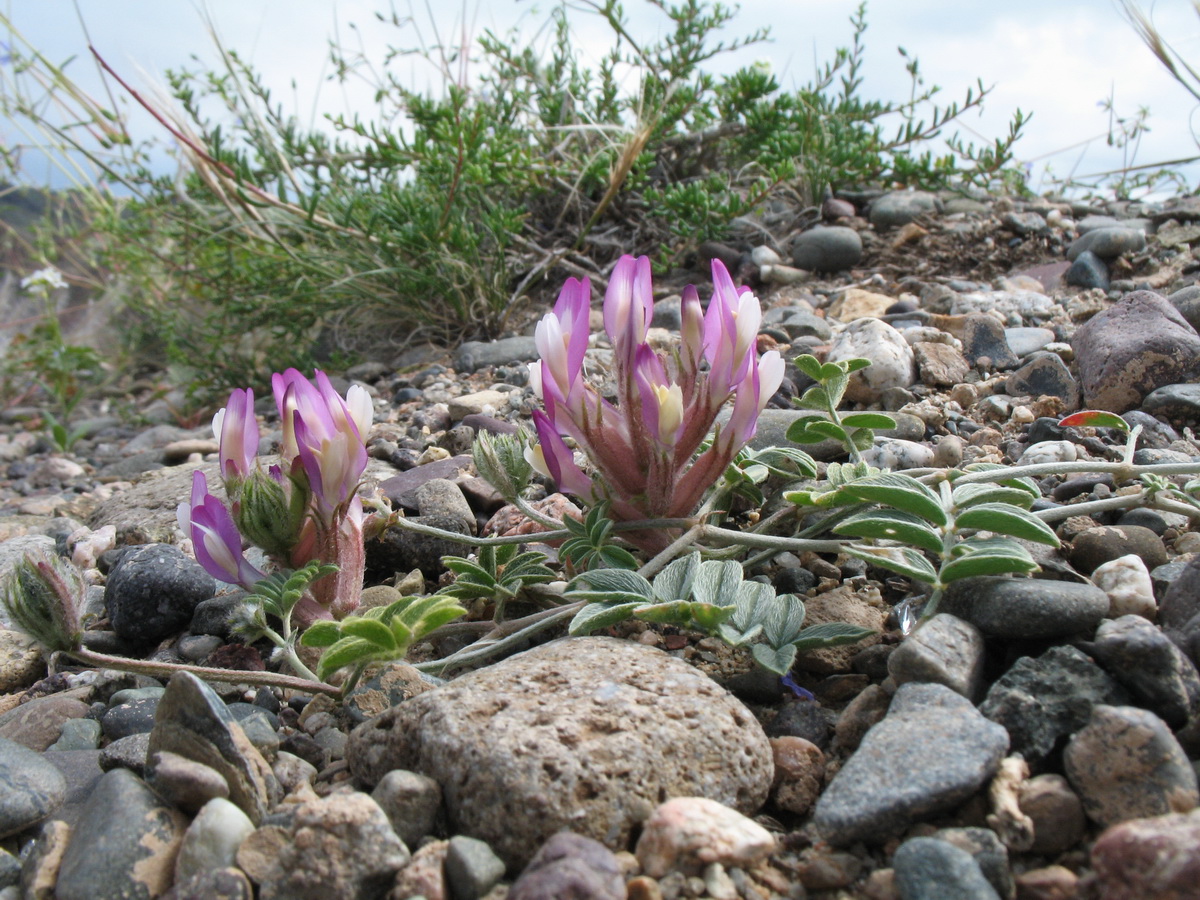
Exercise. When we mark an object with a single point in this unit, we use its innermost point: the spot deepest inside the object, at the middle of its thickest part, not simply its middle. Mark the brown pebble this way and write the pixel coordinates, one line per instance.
(799, 773)
(1050, 883)
(642, 888)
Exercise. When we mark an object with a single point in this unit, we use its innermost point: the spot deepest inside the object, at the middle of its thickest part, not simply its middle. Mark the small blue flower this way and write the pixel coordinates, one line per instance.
(801, 693)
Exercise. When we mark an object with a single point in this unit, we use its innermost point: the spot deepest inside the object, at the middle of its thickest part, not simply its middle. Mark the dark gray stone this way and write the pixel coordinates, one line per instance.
(124, 844)
(572, 867)
(217, 884)
(983, 338)
(833, 248)
(1155, 434)
(1088, 271)
(193, 722)
(132, 717)
(153, 592)
(901, 207)
(400, 550)
(1095, 546)
(401, 490)
(1042, 701)
(1024, 223)
(928, 868)
(1108, 243)
(211, 617)
(887, 784)
(1144, 518)
(1174, 401)
(1026, 608)
(1139, 344)
(1044, 375)
(471, 868)
(1181, 602)
(1155, 672)
(442, 497)
(10, 870)
(30, 788)
(668, 314)
(475, 355)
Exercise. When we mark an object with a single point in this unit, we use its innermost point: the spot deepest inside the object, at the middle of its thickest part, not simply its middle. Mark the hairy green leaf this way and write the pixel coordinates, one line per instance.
(899, 491)
(968, 495)
(868, 420)
(321, 634)
(346, 652)
(902, 560)
(891, 525)
(675, 581)
(595, 616)
(774, 659)
(717, 582)
(830, 634)
(1002, 518)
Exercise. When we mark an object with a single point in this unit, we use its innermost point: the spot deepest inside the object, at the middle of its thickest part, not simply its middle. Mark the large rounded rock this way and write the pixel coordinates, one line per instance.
(30, 788)
(1137, 345)
(153, 591)
(1153, 857)
(901, 207)
(827, 249)
(584, 734)
(1026, 608)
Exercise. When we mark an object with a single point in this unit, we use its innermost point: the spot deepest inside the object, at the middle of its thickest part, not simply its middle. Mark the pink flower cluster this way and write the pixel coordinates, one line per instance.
(644, 447)
(303, 509)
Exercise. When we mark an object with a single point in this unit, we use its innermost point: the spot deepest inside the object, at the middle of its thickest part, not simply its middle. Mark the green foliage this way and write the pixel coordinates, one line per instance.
(276, 596)
(904, 518)
(434, 212)
(42, 594)
(382, 634)
(711, 597)
(590, 545)
(499, 574)
(856, 431)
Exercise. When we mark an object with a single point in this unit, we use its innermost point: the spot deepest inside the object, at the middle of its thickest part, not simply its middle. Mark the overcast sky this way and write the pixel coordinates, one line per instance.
(1056, 59)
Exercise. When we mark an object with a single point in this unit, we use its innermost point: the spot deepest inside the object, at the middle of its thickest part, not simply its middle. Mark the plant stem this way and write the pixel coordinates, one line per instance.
(226, 676)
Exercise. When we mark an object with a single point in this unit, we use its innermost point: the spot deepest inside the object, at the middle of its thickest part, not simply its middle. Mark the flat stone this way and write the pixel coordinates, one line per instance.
(1136, 346)
(855, 303)
(884, 786)
(1024, 341)
(1042, 700)
(940, 365)
(1126, 764)
(124, 844)
(39, 723)
(581, 734)
(401, 489)
(475, 355)
(1026, 608)
(194, 723)
(897, 208)
(185, 783)
(478, 403)
(31, 789)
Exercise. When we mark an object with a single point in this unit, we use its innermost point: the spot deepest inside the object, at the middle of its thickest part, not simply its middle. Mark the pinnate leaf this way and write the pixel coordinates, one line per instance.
(891, 525)
(1002, 518)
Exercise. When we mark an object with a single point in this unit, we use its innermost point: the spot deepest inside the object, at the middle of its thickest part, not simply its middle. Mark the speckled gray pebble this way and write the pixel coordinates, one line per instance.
(1154, 671)
(944, 650)
(931, 869)
(1108, 243)
(153, 592)
(1042, 700)
(883, 787)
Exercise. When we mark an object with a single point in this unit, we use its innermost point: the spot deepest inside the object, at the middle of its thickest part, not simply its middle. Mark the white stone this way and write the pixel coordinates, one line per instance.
(765, 256)
(1127, 582)
(897, 454)
(1048, 452)
(688, 834)
(477, 402)
(892, 362)
(212, 840)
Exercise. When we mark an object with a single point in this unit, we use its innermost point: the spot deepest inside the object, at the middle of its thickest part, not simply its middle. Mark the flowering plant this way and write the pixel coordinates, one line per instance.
(644, 446)
(303, 509)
